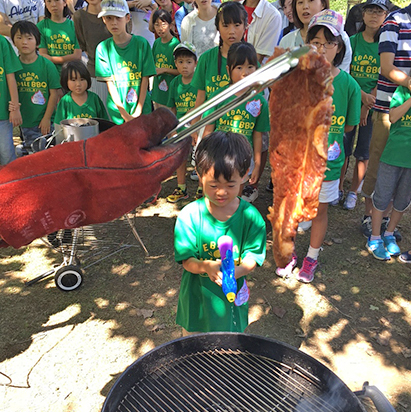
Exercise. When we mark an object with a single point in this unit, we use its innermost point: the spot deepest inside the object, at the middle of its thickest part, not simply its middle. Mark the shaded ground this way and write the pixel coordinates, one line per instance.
(63, 351)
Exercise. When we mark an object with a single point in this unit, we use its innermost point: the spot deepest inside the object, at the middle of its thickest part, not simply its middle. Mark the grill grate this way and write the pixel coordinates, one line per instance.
(229, 381)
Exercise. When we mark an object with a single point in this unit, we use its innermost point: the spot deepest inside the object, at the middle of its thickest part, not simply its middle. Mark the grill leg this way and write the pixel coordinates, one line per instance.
(136, 235)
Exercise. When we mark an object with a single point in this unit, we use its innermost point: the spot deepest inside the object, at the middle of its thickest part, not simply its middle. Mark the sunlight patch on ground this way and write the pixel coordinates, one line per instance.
(255, 312)
(161, 208)
(317, 306)
(146, 346)
(63, 316)
(102, 303)
(69, 385)
(357, 362)
(400, 305)
(158, 300)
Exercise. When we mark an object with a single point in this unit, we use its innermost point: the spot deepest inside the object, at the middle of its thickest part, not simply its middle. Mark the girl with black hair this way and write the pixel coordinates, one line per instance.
(251, 118)
(163, 49)
(58, 38)
(211, 72)
(79, 102)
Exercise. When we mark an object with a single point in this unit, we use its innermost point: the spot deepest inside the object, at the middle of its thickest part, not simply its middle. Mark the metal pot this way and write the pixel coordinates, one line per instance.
(79, 129)
(231, 372)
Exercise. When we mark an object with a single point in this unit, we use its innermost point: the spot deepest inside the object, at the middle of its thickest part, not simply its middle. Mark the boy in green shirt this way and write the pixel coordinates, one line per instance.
(393, 179)
(10, 115)
(37, 82)
(182, 98)
(125, 62)
(222, 160)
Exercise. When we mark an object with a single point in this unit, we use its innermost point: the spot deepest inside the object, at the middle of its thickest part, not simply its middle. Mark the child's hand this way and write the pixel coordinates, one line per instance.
(368, 100)
(45, 126)
(214, 271)
(160, 70)
(254, 176)
(364, 116)
(13, 106)
(15, 117)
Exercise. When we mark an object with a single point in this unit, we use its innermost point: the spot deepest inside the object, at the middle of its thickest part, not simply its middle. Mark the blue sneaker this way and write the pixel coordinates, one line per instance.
(376, 247)
(390, 244)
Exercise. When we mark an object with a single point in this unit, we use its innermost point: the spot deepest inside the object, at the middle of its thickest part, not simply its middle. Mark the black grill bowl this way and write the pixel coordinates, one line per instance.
(229, 372)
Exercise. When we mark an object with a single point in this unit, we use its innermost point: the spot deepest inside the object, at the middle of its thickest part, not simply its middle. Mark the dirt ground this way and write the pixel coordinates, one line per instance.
(63, 351)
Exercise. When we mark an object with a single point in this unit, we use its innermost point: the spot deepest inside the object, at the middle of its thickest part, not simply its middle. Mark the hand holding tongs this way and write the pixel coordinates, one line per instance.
(251, 85)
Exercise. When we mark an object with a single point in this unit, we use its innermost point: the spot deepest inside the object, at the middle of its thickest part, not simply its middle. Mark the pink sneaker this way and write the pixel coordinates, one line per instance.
(306, 273)
(286, 272)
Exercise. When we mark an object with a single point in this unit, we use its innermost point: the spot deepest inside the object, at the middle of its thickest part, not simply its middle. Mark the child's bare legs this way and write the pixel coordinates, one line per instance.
(359, 173)
(319, 227)
(181, 174)
(377, 216)
(394, 220)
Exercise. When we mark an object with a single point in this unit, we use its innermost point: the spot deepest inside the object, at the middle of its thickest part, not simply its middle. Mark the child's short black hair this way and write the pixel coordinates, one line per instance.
(227, 152)
(163, 15)
(329, 37)
(238, 53)
(26, 27)
(184, 53)
(74, 67)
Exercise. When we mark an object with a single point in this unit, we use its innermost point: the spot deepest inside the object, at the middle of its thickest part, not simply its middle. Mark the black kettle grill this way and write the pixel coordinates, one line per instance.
(234, 372)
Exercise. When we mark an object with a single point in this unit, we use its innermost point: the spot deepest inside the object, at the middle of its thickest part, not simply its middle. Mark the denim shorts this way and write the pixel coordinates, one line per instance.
(362, 148)
(393, 183)
(7, 151)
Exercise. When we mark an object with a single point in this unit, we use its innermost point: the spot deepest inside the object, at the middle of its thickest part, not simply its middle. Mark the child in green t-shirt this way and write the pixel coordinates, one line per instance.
(393, 179)
(125, 62)
(325, 33)
(211, 72)
(79, 102)
(181, 99)
(222, 160)
(37, 82)
(58, 38)
(163, 56)
(251, 118)
(10, 115)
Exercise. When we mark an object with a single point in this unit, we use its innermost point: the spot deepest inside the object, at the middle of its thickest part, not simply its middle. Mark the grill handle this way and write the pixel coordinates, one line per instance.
(378, 398)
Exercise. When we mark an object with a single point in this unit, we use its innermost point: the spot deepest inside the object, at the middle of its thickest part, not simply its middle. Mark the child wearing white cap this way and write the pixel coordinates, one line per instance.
(125, 62)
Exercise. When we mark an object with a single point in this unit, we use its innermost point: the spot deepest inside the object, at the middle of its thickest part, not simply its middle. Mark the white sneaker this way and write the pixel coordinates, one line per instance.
(350, 201)
(249, 194)
(304, 226)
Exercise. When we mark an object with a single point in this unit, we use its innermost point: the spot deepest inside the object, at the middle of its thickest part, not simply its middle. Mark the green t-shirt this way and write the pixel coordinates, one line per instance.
(58, 38)
(69, 109)
(250, 116)
(397, 151)
(206, 75)
(125, 67)
(365, 63)
(34, 83)
(347, 109)
(163, 58)
(181, 96)
(202, 306)
(9, 63)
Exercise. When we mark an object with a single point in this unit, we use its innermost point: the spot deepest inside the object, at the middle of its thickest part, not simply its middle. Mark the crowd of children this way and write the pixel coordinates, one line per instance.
(199, 51)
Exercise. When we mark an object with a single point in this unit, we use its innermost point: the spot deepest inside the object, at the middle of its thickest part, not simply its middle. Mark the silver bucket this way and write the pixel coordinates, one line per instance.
(79, 129)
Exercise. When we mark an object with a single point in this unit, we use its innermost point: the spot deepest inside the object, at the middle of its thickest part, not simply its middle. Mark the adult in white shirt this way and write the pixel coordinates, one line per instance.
(264, 29)
(12, 11)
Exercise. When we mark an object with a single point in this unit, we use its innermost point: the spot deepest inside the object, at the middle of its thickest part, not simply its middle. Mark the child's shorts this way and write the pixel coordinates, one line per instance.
(393, 183)
(362, 148)
(329, 191)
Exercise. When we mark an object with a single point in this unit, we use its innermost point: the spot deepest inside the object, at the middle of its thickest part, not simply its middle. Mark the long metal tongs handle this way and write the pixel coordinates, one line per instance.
(250, 85)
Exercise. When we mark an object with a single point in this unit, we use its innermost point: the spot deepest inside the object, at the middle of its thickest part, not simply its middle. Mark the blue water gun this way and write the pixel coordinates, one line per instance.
(225, 246)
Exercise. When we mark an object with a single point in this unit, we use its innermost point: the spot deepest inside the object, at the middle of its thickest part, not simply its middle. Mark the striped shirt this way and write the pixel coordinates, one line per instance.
(395, 38)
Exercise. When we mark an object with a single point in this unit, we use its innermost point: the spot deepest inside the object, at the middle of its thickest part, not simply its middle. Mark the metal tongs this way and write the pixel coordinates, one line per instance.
(251, 85)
